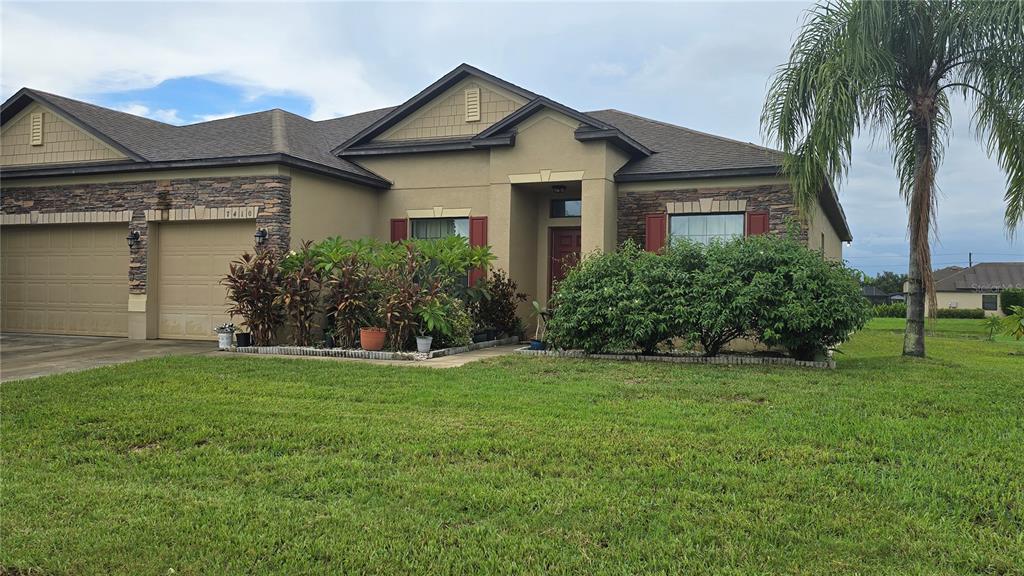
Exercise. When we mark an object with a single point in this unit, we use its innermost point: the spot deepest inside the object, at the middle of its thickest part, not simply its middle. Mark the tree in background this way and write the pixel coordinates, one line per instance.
(888, 68)
(889, 282)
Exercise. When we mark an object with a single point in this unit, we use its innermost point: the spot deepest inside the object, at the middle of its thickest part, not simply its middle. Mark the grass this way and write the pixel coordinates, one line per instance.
(522, 465)
(950, 327)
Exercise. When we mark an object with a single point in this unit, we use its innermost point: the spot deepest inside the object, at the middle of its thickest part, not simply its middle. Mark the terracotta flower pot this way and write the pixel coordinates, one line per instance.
(372, 338)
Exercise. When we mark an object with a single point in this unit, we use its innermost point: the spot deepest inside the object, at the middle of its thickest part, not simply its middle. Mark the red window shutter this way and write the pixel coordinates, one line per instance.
(657, 232)
(757, 223)
(399, 229)
(477, 237)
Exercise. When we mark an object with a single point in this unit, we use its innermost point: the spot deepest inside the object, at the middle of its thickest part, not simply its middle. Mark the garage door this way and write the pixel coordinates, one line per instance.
(65, 279)
(194, 257)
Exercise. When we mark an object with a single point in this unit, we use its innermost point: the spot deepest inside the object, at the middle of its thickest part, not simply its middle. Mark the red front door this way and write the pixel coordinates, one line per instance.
(565, 252)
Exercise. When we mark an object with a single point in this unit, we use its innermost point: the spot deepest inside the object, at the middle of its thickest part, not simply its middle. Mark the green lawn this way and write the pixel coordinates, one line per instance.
(953, 327)
(522, 465)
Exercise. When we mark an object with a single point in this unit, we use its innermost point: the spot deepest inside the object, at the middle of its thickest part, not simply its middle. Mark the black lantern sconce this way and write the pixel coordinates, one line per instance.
(133, 239)
(261, 236)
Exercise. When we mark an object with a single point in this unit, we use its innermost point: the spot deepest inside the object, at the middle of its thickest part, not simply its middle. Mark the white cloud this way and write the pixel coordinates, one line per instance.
(209, 117)
(102, 48)
(168, 115)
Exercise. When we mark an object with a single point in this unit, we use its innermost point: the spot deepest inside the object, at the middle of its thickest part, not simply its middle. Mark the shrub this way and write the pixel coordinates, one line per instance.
(893, 310)
(797, 299)
(498, 307)
(613, 301)
(460, 324)
(1009, 298)
(299, 294)
(349, 301)
(252, 283)
(976, 313)
(710, 301)
(398, 297)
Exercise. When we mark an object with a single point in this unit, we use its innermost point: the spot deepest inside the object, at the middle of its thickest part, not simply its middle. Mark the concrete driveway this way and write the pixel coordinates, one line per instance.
(31, 355)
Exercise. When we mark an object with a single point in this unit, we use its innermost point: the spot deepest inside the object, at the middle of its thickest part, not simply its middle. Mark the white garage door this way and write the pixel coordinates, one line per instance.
(65, 279)
(193, 259)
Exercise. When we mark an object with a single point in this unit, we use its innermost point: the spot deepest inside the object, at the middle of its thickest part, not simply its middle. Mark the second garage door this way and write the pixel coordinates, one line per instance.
(193, 259)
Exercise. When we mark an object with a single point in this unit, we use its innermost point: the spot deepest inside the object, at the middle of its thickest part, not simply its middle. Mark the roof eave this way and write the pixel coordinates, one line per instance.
(413, 147)
(20, 173)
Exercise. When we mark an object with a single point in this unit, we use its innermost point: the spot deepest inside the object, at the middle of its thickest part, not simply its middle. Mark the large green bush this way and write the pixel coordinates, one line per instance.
(767, 287)
(798, 300)
(615, 301)
(1009, 298)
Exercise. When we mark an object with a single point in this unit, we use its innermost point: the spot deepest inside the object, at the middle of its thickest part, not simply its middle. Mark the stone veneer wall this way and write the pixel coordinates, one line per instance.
(271, 195)
(775, 199)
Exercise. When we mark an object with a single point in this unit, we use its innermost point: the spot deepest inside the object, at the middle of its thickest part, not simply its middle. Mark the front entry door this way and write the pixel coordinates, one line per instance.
(565, 252)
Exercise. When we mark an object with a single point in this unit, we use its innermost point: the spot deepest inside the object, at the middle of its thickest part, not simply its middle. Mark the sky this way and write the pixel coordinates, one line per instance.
(701, 65)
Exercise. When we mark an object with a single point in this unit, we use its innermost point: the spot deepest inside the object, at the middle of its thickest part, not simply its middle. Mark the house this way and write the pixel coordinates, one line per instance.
(874, 295)
(977, 286)
(115, 224)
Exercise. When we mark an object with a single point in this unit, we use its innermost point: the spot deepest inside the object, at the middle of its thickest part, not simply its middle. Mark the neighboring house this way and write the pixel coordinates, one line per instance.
(977, 286)
(874, 295)
(471, 154)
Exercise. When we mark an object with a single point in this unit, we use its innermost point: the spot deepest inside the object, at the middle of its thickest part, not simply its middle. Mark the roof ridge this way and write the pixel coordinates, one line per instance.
(278, 133)
(47, 95)
(691, 130)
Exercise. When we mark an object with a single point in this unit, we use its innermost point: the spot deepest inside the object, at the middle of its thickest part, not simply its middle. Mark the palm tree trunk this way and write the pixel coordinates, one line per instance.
(921, 202)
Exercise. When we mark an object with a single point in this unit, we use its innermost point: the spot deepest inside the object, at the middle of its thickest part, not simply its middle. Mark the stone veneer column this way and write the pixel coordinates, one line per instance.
(598, 225)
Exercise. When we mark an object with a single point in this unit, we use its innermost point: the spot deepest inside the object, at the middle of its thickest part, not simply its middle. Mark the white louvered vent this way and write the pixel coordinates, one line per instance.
(472, 104)
(37, 129)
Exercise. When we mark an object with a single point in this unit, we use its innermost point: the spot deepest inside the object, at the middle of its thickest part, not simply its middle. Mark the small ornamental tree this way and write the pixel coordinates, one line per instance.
(252, 284)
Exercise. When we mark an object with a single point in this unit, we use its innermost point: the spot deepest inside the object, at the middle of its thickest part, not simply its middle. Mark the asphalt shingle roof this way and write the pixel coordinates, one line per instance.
(981, 276)
(677, 149)
(677, 152)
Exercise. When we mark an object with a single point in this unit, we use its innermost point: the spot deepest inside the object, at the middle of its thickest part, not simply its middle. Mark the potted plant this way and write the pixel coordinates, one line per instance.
(433, 318)
(372, 337)
(224, 334)
(243, 339)
(537, 343)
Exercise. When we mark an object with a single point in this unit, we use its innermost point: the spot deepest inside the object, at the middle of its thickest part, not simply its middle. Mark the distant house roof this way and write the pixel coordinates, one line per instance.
(871, 291)
(991, 276)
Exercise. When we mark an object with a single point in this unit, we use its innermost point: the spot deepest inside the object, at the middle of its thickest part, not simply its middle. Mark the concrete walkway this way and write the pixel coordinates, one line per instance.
(32, 355)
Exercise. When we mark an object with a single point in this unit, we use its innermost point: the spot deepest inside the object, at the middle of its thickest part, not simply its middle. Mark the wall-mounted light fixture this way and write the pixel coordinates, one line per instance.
(132, 238)
(261, 236)
(558, 189)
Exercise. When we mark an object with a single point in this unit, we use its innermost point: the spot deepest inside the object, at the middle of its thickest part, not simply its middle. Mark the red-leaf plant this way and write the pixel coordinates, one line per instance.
(252, 283)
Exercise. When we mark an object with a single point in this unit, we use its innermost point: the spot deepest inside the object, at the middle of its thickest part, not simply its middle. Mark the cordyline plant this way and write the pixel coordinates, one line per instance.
(349, 299)
(888, 68)
(252, 283)
(299, 294)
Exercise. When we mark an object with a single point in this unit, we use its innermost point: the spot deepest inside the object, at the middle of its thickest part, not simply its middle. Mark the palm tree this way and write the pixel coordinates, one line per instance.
(888, 68)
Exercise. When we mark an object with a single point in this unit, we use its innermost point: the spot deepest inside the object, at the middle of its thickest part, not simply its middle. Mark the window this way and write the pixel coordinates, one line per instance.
(566, 208)
(989, 301)
(434, 228)
(705, 228)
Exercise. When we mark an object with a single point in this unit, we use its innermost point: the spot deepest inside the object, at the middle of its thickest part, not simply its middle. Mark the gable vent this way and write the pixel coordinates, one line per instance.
(37, 129)
(472, 105)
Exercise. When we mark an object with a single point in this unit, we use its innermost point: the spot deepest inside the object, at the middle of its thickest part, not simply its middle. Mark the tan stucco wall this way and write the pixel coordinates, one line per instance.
(445, 116)
(63, 142)
(323, 207)
(964, 300)
(819, 227)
